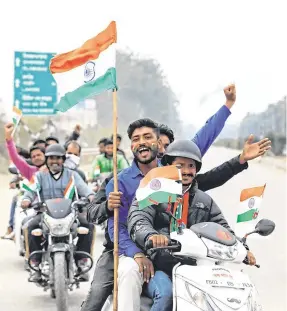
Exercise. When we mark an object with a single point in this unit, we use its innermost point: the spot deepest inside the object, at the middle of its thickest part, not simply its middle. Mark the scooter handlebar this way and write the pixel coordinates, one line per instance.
(172, 245)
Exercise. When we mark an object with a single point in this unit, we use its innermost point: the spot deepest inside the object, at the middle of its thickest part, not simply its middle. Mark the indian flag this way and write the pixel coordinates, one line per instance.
(250, 201)
(16, 117)
(97, 171)
(160, 185)
(86, 71)
(70, 189)
(32, 186)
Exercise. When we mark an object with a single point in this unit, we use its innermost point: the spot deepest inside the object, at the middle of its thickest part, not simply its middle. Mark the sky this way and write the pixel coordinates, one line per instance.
(201, 45)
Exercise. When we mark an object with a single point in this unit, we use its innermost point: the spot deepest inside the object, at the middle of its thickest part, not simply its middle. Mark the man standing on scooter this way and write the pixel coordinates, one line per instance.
(154, 223)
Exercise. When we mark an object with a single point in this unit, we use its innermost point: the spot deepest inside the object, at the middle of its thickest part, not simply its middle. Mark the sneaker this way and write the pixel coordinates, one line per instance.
(83, 265)
(8, 233)
(35, 276)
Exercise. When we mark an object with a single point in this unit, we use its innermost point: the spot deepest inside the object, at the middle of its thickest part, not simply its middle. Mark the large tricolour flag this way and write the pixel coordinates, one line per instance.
(160, 185)
(86, 71)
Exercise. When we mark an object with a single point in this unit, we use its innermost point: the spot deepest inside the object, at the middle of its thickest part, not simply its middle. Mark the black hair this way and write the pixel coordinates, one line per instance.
(102, 141)
(118, 137)
(75, 143)
(52, 138)
(108, 142)
(39, 141)
(146, 122)
(36, 148)
(23, 152)
(165, 130)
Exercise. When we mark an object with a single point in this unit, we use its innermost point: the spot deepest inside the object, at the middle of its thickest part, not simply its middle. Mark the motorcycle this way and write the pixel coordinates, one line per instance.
(59, 229)
(20, 217)
(200, 279)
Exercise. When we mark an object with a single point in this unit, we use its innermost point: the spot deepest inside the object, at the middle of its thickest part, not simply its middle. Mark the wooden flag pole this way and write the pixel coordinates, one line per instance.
(116, 210)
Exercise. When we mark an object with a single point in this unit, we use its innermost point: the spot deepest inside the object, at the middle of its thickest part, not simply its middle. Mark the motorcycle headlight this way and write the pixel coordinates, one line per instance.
(59, 227)
(220, 251)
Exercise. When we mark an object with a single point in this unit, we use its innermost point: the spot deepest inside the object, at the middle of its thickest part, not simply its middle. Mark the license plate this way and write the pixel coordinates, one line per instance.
(228, 283)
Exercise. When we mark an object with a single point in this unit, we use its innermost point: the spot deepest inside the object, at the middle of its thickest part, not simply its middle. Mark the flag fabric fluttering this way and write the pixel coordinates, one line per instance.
(32, 186)
(70, 189)
(16, 117)
(160, 185)
(250, 201)
(86, 71)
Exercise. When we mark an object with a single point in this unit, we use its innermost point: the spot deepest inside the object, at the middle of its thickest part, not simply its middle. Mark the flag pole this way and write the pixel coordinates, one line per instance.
(116, 210)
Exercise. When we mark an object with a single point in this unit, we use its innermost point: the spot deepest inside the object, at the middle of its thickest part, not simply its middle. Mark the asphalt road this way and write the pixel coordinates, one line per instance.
(17, 294)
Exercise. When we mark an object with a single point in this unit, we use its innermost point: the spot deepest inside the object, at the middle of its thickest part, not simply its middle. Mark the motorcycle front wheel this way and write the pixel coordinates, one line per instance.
(61, 288)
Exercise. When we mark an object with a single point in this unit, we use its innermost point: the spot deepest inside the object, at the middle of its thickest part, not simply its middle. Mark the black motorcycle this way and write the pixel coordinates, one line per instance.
(59, 228)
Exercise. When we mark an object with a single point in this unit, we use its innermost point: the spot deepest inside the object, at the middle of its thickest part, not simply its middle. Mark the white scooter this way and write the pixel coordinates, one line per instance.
(206, 284)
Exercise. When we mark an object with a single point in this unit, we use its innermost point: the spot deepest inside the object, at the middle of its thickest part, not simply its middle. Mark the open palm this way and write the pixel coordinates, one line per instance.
(255, 150)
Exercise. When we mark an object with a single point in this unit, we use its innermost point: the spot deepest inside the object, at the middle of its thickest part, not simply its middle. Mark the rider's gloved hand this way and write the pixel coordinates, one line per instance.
(25, 203)
(114, 200)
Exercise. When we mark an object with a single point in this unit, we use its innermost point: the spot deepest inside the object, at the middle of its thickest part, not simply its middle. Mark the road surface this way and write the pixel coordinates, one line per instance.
(17, 294)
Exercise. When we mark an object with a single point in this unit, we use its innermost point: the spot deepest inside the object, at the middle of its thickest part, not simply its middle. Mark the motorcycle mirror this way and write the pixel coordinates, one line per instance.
(13, 170)
(265, 227)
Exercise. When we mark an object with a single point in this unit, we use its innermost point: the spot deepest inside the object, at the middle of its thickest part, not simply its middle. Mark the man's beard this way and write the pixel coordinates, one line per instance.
(154, 152)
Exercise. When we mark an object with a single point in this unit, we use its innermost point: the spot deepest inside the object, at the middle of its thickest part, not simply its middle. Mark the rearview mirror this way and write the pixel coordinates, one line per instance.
(265, 227)
(13, 170)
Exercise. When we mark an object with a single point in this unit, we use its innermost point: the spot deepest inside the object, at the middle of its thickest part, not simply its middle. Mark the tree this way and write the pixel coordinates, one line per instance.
(143, 92)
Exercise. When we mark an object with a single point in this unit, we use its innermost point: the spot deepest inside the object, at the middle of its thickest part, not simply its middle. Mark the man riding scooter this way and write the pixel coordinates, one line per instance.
(53, 182)
(155, 222)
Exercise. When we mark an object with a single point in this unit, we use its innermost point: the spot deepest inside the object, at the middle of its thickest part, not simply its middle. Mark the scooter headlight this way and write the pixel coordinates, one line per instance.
(59, 227)
(220, 251)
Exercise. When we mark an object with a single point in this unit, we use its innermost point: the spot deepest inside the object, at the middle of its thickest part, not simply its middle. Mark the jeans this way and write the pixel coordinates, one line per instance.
(12, 212)
(102, 284)
(159, 289)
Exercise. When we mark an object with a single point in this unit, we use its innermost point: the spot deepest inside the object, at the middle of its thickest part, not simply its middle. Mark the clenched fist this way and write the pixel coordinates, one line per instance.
(114, 200)
(230, 94)
(159, 240)
(78, 128)
(9, 127)
(25, 204)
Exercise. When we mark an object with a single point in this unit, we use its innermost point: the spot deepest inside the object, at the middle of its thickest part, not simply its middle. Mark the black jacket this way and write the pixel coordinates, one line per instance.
(98, 211)
(155, 220)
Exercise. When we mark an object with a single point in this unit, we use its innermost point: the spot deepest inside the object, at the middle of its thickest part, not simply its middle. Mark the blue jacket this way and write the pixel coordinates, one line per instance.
(129, 180)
